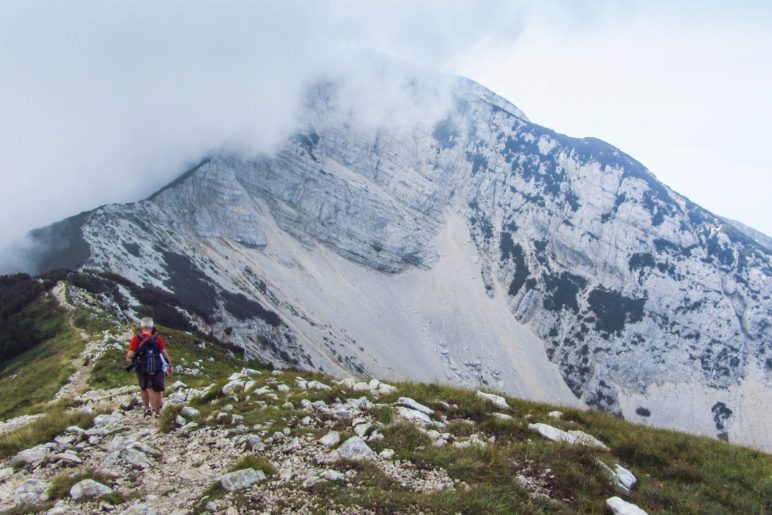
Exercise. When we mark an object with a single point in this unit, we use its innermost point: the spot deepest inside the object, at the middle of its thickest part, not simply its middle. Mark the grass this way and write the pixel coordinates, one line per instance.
(33, 378)
(252, 461)
(61, 485)
(42, 430)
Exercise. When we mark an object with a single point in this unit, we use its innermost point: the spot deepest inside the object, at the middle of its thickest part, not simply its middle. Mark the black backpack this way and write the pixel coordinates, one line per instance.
(149, 356)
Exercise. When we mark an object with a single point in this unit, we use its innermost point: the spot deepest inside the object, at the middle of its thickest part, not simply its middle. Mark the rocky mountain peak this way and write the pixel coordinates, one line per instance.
(475, 248)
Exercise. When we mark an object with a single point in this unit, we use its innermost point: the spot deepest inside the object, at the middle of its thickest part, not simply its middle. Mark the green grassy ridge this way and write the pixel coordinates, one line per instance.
(32, 378)
(677, 473)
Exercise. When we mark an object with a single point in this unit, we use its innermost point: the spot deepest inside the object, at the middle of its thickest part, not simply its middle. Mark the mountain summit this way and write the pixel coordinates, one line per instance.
(481, 250)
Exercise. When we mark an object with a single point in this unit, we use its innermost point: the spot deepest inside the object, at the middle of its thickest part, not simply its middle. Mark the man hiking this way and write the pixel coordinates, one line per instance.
(147, 351)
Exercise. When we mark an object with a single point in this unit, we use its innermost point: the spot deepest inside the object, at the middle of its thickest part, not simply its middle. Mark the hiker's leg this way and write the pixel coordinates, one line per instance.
(146, 398)
(155, 400)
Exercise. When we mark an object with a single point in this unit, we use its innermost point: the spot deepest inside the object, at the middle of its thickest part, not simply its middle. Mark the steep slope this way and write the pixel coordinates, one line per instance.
(243, 440)
(480, 250)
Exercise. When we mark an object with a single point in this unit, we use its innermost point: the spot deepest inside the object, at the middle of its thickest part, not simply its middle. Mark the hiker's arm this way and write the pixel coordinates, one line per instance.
(130, 355)
(168, 360)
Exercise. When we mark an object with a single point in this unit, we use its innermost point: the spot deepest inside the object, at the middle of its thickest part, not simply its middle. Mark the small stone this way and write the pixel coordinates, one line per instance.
(89, 488)
(555, 414)
(331, 439)
(620, 478)
(178, 385)
(497, 400)
(362, 429)
(276, 372)
(583, 438)
(211, 506)
(5, 473)
(552, 433)
(502, 416)
(241, 479)
(249, 372)
(620, 507)
(282, 387)
(180, 421)
(232, 387)
(293, 445)
(187, 428)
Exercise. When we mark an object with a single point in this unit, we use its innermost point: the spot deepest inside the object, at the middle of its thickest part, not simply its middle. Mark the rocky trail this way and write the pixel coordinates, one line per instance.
(153, 471)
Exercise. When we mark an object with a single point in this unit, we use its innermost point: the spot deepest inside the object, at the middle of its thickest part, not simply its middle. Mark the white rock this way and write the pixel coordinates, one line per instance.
(180, 421)
(386, 389)
(276, 372)
(588, 440)
(241, 479)
(32, 491)
(373, 384)
(331, 439)
(386, 454)
(31, 456)
(135, 458)
(103, 420)
(552, 433)
(362, 429)
(355, 449)
(555, 414)
(89, 488)
(316, 385)
(187, 428)
(190, 412)
(249, 385)
(5, 473)
(347, 382)
(410, 403)
(497, 400)
(248, 372)
(502, 416)
(67, 458)
(282, 387)
(620, 478)
(293, 445)
(178, 385)
(334, 475)
(413, 415)
(361, 387)
(620, 507)
(232, 387)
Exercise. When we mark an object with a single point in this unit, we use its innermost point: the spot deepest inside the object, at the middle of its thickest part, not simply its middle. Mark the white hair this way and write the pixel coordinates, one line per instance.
(147, 322)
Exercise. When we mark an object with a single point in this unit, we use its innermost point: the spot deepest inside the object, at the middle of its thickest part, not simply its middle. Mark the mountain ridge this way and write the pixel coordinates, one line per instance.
(628, 287)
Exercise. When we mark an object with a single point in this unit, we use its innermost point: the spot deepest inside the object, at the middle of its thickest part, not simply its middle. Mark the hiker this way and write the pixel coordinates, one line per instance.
(152, 364)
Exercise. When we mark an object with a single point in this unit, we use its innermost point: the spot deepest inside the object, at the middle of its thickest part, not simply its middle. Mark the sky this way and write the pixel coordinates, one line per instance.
(107, 101)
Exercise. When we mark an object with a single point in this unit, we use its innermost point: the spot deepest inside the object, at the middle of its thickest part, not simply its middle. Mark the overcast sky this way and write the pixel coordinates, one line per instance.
(106, 101)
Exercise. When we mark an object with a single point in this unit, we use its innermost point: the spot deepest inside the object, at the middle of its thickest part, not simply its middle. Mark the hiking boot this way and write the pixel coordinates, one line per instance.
(148, 412)
(157, 415)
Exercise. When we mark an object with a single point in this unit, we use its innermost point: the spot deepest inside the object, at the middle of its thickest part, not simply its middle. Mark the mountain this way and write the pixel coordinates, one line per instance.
(480, 250)
(238, 437)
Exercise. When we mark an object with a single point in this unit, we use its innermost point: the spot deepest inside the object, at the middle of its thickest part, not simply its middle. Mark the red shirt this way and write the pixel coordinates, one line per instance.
(136, 341)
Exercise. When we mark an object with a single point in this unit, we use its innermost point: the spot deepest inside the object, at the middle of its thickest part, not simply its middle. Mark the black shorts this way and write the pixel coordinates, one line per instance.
(154, 381)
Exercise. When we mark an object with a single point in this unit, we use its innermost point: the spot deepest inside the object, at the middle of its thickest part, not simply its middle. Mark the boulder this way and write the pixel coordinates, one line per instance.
(497, 400)
(134, 458)
(103, 420)
(355, 449)
(417, 406)
(89, 488)
(241, 479)
(32, 491)
(620, 507)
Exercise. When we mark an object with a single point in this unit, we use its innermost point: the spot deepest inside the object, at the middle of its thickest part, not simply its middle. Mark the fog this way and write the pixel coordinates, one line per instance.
(107, 101)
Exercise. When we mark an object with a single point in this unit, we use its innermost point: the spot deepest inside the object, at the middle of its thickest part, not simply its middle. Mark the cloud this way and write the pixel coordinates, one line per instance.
(106, 101)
